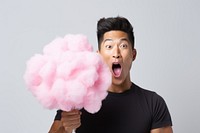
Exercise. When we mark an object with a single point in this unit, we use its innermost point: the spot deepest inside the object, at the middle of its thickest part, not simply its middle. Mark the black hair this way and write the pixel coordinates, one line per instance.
(114, 23)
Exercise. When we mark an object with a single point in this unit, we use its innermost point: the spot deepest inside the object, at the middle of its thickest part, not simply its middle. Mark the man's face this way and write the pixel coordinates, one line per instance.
(117, 52)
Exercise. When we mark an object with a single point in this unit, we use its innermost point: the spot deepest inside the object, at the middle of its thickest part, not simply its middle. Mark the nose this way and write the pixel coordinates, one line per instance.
(116, 56)
(116, 53)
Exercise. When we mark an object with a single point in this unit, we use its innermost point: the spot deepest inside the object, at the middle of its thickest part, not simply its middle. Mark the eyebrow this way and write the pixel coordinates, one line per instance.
(107, 40)
(122, 39)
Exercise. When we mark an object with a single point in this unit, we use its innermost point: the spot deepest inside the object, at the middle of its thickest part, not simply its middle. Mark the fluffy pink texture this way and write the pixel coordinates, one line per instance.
(68, 75)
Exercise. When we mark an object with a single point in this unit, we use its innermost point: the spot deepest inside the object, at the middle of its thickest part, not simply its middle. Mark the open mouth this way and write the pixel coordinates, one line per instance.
(117, 69)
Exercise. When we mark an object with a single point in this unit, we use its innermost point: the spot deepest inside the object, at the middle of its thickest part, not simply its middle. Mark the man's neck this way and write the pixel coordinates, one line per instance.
(115, 88)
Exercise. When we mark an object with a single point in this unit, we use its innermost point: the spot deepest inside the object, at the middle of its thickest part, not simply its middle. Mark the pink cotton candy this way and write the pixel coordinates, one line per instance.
(68, 75)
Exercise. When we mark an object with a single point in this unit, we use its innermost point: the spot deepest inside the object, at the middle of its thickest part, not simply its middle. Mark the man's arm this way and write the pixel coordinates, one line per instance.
(57, 127)
(167, 129)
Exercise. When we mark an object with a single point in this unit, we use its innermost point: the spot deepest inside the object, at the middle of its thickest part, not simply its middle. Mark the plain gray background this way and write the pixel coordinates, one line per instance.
(167, 40)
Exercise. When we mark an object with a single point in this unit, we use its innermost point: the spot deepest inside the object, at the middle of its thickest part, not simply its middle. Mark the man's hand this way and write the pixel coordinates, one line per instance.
(71, 120)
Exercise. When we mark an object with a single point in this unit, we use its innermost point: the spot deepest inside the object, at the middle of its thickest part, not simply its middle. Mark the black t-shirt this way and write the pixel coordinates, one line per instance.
(134, 111)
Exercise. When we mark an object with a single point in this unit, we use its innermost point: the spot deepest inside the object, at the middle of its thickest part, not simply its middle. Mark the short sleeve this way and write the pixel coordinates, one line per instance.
(58, 115)
(161, 116)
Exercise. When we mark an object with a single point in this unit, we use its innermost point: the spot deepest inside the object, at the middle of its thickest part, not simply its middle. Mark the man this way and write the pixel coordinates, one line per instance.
(127, 108)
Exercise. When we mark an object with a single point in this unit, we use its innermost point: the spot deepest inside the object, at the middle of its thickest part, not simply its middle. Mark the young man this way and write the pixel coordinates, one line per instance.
(127, 108)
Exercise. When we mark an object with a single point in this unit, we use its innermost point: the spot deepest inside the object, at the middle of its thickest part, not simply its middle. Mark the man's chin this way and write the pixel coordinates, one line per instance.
(117, 81)
(120, 81)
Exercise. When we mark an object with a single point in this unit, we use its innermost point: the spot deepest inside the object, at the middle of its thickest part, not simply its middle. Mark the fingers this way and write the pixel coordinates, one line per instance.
(71, 120)
(70, 113)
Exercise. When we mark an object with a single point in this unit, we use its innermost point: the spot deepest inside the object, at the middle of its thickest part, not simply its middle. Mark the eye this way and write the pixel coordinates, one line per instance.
(108, 46)
(123, 46)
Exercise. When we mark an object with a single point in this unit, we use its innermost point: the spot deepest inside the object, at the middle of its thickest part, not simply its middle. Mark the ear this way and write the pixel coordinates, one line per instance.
(134, 53)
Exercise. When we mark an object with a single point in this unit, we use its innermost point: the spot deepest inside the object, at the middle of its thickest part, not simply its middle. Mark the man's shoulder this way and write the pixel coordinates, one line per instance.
(139, 89)
(149, 94)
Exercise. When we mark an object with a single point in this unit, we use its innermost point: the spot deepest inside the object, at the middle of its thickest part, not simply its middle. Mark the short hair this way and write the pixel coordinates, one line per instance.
(114, 23)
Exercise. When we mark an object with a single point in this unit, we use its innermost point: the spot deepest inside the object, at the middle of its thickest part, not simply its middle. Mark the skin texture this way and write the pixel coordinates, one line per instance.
(115, 48)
